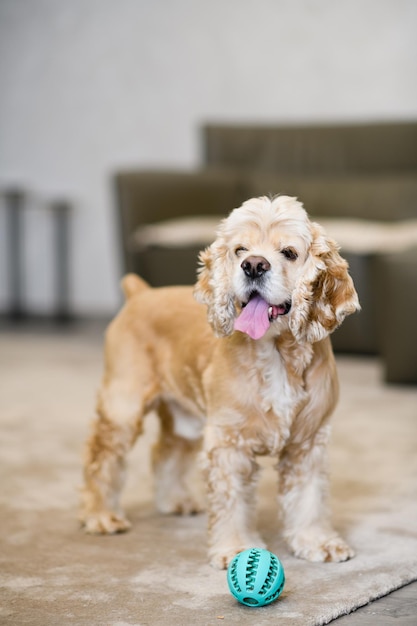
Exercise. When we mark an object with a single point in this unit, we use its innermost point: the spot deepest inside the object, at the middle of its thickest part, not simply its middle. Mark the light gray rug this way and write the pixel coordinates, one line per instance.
(51, 573)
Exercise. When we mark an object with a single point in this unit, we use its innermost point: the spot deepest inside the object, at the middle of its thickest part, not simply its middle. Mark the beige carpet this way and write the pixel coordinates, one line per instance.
(51, 573)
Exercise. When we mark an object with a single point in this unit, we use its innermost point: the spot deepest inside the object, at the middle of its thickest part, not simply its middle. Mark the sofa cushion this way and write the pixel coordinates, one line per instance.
(177, 233)
(353, 235)
(371, 237)
(162, 266)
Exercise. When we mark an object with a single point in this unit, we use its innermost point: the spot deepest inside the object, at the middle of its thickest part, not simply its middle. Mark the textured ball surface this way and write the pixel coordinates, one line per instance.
(256, 577)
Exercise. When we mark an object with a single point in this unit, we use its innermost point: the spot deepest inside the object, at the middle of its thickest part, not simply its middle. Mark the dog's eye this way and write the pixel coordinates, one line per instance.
(290, 254)
(240, 249)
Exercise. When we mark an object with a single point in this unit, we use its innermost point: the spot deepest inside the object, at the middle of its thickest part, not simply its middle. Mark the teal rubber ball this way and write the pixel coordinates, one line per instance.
(256, 577)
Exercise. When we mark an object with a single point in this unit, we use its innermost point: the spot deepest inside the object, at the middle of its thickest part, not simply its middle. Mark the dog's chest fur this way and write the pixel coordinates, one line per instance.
(276, 393)
(280, 397)
(270, 397)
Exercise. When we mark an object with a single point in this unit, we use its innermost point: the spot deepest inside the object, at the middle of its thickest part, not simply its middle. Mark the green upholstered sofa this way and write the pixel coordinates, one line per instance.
(347, 175)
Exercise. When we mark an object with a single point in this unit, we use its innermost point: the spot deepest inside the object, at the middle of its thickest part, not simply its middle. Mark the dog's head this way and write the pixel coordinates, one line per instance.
(270, 268)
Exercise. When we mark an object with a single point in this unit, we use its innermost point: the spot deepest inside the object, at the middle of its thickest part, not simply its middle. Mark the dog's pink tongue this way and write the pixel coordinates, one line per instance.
(254, 318)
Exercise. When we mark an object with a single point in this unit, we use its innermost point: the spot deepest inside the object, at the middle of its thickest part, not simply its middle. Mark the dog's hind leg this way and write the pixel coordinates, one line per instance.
(175, 462)
(114, 432)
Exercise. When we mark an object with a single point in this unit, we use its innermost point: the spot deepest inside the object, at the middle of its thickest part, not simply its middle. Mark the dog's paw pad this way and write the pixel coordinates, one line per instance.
(221, 558)
(180, 506)
(321, 550)
(105, 524)
(337, 550)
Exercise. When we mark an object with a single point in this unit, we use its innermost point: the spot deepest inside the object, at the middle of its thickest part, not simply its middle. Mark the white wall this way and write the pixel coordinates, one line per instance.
(88, 86)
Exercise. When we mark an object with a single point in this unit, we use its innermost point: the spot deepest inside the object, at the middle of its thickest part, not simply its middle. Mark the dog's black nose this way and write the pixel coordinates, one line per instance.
(255, 266)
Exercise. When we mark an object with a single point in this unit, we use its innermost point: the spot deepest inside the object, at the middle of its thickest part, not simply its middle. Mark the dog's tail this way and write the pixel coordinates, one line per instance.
(132, 284)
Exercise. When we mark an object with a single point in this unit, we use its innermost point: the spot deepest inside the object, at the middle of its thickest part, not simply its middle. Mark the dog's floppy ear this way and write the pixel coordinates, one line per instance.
(324, 294)
(214, 288)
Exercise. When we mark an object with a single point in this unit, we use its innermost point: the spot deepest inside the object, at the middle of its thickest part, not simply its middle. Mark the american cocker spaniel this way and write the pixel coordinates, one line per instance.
(258, 379)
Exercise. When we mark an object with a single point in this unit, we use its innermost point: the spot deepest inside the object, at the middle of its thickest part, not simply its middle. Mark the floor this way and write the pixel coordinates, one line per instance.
(399, 607)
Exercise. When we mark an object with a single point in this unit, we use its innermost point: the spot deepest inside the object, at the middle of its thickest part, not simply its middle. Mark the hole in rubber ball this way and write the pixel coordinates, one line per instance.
(251, 601)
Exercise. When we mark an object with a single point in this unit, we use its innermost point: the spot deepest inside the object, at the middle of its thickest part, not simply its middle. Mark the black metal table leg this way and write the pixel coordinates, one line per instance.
(61, 209)
(15, 203)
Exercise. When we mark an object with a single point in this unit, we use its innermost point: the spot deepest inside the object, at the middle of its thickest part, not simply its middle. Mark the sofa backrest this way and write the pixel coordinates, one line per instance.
(340, 149)
(152, 196)
(385, 197)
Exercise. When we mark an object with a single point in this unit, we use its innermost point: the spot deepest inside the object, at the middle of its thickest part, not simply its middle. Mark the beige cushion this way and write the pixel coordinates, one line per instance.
(370, 237)
(353, 235)
(177, 233)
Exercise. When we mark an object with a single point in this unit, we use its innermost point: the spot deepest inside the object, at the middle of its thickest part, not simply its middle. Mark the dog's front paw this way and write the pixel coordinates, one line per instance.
(320, 548)
(105, 523)
(221, 557)
(180, 504)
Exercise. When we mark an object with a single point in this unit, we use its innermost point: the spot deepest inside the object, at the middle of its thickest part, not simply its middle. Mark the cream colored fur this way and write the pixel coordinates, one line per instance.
(218, 390)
